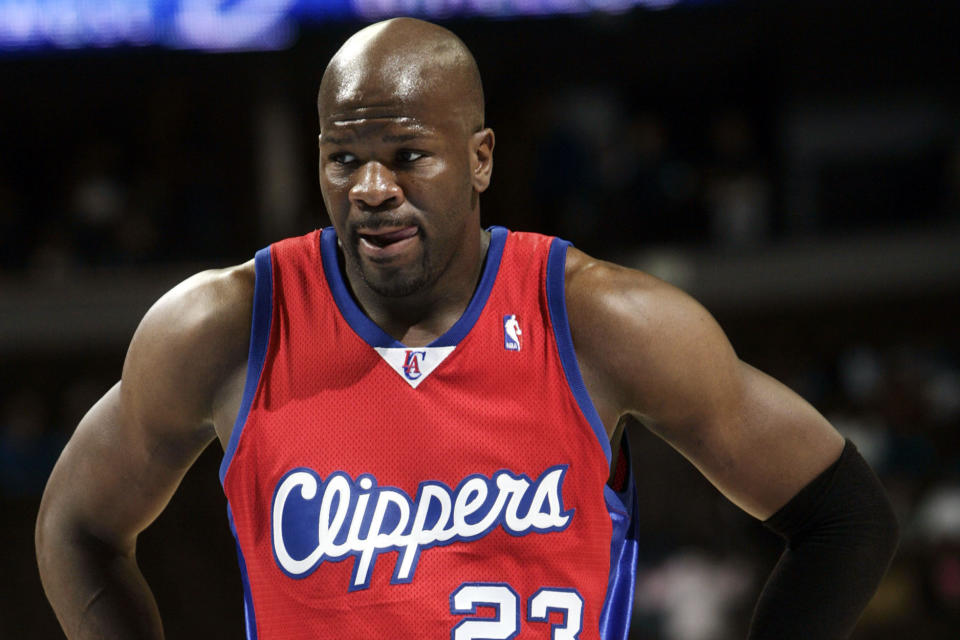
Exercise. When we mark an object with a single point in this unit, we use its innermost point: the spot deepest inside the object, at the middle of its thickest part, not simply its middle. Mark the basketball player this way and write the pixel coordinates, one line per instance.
(422, 420)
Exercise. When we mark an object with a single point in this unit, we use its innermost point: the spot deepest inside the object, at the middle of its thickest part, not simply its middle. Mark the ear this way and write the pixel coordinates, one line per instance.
(481, 159)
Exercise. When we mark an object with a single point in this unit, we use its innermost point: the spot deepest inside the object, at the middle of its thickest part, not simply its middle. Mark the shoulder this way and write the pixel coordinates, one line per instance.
(188, 345)
(208, 300)
(206, 312)
(604, 298)
(639, 339)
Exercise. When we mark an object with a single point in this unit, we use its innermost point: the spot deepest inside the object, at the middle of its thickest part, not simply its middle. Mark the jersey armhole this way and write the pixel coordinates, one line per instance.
(257, 355)
(557, 304)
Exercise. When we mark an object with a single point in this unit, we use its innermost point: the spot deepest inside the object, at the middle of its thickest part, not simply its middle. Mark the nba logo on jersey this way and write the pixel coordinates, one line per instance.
(411, 364)
(511, 333)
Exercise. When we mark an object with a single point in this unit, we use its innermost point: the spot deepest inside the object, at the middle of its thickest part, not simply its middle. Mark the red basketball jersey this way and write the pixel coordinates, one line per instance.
(456, 490)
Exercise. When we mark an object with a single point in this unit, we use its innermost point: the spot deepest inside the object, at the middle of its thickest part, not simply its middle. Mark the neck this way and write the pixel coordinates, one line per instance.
(423, 316)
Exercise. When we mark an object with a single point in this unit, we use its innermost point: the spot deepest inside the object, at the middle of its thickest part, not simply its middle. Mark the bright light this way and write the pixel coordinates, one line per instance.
(241, 24)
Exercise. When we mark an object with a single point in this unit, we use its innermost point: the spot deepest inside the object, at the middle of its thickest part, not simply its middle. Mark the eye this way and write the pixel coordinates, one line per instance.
(342, 157)
(408, 155)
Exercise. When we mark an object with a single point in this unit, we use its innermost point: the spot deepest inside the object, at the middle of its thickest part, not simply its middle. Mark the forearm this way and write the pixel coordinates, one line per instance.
(96, 591)
(841, 534)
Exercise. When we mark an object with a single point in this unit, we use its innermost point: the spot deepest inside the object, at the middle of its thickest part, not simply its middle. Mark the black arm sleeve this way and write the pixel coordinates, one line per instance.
(841, 535)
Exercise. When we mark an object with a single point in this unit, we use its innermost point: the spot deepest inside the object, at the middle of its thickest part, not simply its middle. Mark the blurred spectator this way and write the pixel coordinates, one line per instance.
(937, 519)
(27, 449)
(97, 202)
(935, 535)
(569, 170)
(693, 595)
(737, 192)
(658, 199)
(951, 196)
(54, 255)
(137, 235)
(15, 238)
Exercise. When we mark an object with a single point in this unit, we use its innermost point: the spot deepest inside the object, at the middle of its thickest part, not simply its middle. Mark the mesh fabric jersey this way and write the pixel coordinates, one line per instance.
(457, 490)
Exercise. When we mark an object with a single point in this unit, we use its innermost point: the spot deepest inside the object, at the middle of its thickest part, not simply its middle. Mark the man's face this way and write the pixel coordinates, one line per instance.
(396, 181)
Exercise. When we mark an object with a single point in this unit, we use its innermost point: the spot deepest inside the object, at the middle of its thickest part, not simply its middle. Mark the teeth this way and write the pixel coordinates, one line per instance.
(378, 241)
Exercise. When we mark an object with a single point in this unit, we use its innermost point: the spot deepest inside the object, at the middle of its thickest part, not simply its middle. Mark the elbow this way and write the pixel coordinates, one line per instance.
(845, 510)
(47, 538)
(55, 539)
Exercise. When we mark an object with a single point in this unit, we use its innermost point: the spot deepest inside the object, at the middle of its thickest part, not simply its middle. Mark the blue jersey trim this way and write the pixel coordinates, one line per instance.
(249, 615)
(557, 302)
(370, 332)
(624, 553)
(259, 339)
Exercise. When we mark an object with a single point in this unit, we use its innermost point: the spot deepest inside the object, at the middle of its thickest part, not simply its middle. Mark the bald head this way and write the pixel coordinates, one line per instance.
(402, 63)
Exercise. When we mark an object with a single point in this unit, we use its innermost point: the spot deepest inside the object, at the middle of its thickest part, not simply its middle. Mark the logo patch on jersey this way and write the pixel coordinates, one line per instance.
(411, 364)
(511, 333)
(414, 365)
(315, 520)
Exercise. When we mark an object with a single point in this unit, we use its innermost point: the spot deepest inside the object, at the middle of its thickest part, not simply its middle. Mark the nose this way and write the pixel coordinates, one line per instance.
(376, 186)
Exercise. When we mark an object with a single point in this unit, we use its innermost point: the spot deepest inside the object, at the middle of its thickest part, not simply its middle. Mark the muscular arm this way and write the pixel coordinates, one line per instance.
(131, 451)
(650, 351)
(663, 359)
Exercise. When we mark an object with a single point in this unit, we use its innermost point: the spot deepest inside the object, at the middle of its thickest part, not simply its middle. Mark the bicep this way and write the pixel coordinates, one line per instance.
(757, 441)
(118, 472)
(651, 351)
(131, 450)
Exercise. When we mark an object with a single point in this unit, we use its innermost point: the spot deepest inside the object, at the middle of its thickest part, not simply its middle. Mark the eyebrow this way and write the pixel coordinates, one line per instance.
(389, 138)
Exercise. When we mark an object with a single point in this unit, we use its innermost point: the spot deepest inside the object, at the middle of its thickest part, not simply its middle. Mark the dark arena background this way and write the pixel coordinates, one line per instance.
(794, 165)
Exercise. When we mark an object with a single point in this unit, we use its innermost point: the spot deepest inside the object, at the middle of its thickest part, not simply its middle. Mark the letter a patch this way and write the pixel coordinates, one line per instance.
(416, 363)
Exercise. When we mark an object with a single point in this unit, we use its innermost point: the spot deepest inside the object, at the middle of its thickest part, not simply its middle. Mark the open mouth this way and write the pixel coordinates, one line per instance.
(387, 236)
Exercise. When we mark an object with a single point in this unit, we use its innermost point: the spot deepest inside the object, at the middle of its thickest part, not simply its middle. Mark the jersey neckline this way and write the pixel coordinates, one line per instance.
(370, 332)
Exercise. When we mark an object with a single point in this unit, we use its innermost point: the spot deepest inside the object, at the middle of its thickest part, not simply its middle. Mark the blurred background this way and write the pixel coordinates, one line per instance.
(794, 165)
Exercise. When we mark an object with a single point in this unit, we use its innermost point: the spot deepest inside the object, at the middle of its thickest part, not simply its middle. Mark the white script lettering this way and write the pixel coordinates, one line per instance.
(315, 521)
